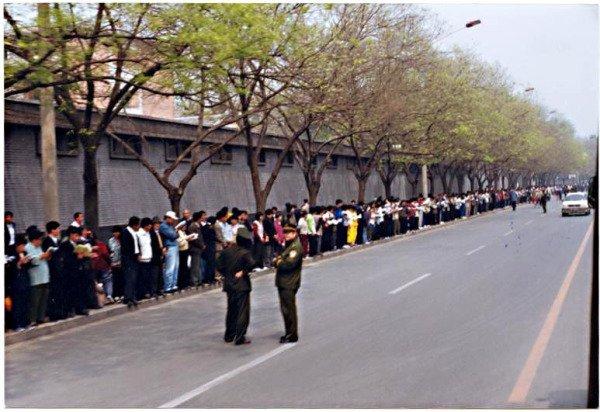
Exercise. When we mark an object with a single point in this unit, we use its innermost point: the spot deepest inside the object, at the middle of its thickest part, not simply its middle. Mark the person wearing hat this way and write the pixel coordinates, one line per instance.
(171, 265)
(73, 268)
(235, 263)
(39, 275)
(287, 280)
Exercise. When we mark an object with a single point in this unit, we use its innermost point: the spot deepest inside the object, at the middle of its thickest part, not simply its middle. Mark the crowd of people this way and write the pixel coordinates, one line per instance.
(59, 273)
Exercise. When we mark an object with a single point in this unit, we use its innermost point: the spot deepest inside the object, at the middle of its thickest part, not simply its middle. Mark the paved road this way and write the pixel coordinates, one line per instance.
(447, 318)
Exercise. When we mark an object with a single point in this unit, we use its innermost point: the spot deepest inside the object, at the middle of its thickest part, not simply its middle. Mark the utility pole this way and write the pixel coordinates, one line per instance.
(48, 134)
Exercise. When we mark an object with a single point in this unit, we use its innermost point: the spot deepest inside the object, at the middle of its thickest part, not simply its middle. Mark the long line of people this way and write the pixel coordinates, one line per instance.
(63, 273)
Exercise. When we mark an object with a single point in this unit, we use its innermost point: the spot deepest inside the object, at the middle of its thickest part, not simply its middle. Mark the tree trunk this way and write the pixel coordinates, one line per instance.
(313, 193)
(387, 185)
(175, 200)
(460, 182)
(472, 182)
(261, 201)
(90, 189)
(362, 187)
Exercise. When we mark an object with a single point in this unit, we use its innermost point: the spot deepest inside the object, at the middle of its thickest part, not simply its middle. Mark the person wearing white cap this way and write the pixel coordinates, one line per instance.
(171, 267)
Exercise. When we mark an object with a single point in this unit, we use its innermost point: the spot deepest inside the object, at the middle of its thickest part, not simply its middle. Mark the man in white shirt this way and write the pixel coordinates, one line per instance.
(78, 219)
(145, 241)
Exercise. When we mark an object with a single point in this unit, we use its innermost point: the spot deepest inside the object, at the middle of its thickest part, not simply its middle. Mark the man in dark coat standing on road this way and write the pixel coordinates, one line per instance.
(234, 264)
(287, 280)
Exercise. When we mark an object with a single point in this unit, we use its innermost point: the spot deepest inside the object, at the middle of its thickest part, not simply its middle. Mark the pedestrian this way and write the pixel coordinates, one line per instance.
(101, 264)
(18, 285)
(158, 254)
(73, 266)
(270, 235)
(513, 199)
(56, 294)
(259, 240)
(209, 254)
(78, 219)
(114, 245)
(303, 232)
(234, 264)
(130, 255)
(171, 264)
(10, 232)
(39, 275)
(144, 284)
(543, 201)
(287, 281)
(196, 248)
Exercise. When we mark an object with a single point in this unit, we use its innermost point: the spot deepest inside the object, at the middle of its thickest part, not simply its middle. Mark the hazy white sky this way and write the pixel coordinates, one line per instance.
(553, 48)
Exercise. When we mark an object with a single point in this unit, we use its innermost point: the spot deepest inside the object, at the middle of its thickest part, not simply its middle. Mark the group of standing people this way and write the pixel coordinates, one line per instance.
(58, 273)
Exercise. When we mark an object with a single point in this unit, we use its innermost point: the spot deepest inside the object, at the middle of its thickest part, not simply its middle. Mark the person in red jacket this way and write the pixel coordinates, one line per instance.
(101, 266)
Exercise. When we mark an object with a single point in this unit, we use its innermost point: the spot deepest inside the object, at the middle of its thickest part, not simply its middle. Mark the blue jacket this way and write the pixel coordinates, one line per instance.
(169, 234)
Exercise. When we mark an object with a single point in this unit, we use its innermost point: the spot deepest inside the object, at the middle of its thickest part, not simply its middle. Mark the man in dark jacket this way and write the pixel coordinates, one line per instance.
(57, 294)
(130, 253)
(234, 264)
(287, 280)
(196, 248)
(269, 229)
(73, 270)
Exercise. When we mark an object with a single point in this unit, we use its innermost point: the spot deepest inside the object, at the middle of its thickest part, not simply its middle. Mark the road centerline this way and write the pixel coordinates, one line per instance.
(521, 389)
(412, 282)
(225, 377)
(475, 250)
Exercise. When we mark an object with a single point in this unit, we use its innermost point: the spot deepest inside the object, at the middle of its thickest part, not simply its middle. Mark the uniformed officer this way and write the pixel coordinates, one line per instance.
(234, 264)
(287, 280)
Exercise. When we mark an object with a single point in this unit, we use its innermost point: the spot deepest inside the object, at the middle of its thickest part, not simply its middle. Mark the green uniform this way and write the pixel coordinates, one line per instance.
(230, 261)
(287, 280)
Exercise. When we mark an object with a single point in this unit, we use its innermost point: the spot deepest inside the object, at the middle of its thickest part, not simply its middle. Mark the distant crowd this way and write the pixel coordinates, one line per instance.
(58, 272)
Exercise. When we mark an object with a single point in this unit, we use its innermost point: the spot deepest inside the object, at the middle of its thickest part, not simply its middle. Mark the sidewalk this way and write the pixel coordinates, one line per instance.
(96, 315)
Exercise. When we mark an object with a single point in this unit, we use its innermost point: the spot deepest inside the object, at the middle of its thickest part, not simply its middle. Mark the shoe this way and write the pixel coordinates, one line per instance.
(227, 340)
(129, 305)
(288, 339)
(243, 341)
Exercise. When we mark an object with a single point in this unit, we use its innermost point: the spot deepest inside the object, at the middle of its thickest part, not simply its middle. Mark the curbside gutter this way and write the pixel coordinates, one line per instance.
(96, 315)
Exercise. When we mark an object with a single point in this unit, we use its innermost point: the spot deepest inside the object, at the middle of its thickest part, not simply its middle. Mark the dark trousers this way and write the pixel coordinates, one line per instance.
(144, 281)
(77, 292)
(183, 278)
(238, 315)
(20, 291)
(130, 274)
(514, 205)
(313, 241)
(118, 281)
(210, 257)
(326, 244)
(195, 269)
(57, 298)
(341, 235)
(38, 303)
(287, 303)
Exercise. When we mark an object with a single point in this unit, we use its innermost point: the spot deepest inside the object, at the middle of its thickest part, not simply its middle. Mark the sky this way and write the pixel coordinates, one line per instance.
(553, 48)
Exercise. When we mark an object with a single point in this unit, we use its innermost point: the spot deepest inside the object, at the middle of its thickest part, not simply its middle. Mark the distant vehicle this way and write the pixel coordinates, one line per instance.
(576, 203)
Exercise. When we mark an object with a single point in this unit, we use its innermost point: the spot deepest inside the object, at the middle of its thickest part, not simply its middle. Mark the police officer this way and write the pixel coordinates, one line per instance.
(234, 264)
(287, 280)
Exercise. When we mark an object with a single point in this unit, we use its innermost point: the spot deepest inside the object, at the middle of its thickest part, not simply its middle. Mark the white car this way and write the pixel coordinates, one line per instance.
(575, 204)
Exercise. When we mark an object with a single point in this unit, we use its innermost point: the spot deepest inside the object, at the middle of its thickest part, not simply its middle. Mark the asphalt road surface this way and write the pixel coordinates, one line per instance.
(492, 312)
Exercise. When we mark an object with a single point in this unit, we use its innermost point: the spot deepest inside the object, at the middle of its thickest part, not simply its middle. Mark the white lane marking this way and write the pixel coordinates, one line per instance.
(528, 222)
(475, 250)
(509, 232)
(412, 282)
(225, 377)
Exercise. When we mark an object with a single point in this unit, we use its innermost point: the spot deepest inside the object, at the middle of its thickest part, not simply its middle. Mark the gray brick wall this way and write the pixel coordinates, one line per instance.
(127, 188)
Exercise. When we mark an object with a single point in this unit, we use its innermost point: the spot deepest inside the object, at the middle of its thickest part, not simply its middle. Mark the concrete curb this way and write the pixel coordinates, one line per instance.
(110, 311)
